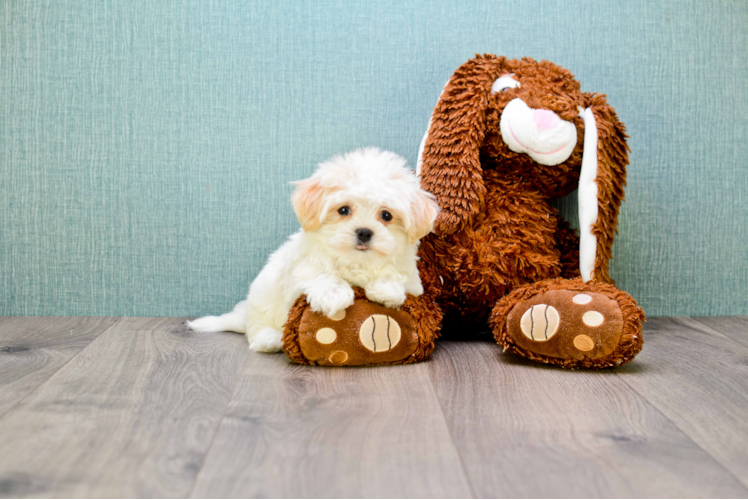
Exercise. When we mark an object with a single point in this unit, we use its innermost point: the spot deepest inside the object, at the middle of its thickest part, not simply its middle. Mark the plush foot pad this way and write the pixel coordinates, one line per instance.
(566, 324)
(580, 326)
(364, 334)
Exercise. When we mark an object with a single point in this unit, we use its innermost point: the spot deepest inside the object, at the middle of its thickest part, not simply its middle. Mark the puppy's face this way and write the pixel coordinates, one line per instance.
(364, 205)
(363, 226)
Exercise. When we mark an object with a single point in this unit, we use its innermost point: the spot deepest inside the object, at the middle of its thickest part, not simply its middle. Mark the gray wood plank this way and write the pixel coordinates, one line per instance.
(132, 415)
(698, 378)
(526, 430)
(735, 327)
(33, 349)
(301, 431)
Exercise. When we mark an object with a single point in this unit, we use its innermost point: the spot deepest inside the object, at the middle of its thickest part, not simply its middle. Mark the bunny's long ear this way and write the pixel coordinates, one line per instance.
(450, 163)
(601, 184)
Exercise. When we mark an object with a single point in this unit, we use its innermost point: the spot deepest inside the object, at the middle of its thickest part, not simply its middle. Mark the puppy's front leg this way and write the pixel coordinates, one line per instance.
(390, 293)
(328, 295)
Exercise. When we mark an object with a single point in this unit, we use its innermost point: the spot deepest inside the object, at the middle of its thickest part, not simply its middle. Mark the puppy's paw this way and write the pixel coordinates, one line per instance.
(387, 293)
(267, 340)
(332, 301)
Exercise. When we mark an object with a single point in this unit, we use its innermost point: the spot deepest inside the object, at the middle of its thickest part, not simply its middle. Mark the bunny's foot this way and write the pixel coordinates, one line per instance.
(569, 323)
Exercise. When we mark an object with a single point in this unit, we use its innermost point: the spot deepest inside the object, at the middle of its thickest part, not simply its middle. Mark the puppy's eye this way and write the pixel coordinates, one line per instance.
(344, 211)
(386, 216)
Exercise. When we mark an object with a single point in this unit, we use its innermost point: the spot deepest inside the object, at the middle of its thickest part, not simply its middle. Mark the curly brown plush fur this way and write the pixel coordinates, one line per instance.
(497, 230)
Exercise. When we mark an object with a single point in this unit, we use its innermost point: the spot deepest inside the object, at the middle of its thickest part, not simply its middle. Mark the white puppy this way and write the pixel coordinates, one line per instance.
(362, 216)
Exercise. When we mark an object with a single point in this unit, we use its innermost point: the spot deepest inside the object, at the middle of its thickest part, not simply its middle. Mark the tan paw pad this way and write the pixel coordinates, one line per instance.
(540, 322)
(379, 333)
(338, 357)
(338, 316)
(584, 343)
(581, 299)
(593, 318)
(326, 335)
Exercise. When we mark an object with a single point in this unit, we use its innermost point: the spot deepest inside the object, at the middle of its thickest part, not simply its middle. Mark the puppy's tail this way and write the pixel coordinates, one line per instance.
(235, 321)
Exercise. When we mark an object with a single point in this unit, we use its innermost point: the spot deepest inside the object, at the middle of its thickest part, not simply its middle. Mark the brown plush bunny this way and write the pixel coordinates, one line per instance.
(506, 138)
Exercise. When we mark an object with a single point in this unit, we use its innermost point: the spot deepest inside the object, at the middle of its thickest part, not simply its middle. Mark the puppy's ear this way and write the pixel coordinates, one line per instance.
(308, 202)
(451, 168)
(423, 212)
(609, 179)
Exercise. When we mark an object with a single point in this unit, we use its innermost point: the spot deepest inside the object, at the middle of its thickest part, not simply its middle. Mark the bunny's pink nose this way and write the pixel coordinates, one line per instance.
(544, 119)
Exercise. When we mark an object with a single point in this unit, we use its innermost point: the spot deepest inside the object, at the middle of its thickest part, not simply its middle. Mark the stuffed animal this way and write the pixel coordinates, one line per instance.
(505, 139)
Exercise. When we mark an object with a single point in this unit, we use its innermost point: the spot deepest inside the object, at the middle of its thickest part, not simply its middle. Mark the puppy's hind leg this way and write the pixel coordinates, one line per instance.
(234, 321)
(265, 320)
(267, 340)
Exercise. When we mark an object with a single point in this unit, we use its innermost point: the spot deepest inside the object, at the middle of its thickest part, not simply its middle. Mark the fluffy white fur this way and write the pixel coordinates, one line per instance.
(326, 257)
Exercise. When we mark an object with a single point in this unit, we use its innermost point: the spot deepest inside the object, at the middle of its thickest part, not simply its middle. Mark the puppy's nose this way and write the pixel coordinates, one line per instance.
(364, 234)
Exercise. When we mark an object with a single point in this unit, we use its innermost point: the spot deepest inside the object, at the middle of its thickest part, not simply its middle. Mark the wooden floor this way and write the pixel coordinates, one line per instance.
(142, 407)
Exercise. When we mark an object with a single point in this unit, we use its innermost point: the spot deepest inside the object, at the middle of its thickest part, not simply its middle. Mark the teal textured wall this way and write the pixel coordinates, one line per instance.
(146, 147)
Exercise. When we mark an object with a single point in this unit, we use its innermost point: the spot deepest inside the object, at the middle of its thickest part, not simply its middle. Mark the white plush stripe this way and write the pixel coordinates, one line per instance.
(421, 148)
(588, 196)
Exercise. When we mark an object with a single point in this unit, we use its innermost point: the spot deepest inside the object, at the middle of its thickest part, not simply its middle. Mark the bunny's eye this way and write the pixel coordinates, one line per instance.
(504, 83)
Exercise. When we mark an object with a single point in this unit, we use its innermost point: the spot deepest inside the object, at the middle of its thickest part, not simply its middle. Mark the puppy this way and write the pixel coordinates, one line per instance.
(362, 216)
